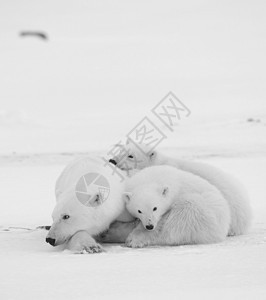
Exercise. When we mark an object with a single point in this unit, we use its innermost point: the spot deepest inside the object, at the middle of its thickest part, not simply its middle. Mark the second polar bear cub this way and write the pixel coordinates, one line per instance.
(175, 208)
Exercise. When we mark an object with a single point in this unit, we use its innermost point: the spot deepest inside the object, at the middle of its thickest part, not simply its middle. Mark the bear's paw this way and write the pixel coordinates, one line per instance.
(135, 242)
(95, 248)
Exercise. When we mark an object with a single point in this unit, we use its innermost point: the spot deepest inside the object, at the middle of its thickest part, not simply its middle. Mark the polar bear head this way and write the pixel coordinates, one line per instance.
(89, 207)
(134, 156)
(70, 216)
(148, 202)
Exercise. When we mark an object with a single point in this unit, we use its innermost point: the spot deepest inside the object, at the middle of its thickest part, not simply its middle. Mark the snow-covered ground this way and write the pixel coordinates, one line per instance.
(105, 65)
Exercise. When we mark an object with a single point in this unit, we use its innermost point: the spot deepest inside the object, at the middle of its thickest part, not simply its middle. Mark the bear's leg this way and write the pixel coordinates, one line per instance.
(141, 237)
(82, 242)
(117, 233)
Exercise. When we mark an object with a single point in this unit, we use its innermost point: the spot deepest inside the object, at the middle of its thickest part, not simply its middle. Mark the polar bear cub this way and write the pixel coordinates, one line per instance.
(139, 156)
(175, 208)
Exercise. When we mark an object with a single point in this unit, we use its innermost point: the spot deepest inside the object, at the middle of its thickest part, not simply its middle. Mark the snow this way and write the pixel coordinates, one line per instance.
(105, 66)
(232, 269)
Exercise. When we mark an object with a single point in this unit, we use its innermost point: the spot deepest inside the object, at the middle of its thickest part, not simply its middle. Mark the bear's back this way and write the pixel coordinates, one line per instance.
(160, 175)
(178, 181)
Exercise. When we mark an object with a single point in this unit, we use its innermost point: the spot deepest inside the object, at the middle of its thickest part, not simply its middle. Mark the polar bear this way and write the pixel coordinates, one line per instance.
(75, 221)
(175, 208)
(139, 156)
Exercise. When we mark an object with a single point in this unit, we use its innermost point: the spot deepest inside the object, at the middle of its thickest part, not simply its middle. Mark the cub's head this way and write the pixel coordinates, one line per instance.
(148, 203)
(132, 156)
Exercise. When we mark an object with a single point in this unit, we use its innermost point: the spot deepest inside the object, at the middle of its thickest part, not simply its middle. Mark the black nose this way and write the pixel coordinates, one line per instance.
(149, 227)
(50, 241)
(112, 161)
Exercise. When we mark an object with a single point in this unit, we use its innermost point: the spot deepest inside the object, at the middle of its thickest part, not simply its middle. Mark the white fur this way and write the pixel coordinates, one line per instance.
(230, 188)
(189, 209)
(86, 221)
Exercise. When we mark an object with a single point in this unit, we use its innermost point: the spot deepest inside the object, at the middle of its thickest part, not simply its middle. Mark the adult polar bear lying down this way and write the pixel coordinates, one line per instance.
(131, 157)
(74, 223)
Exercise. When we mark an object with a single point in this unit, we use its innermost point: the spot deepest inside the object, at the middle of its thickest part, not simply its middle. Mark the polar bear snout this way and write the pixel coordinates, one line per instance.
(50, 241)
(58, 235)
(149, 227)
(112, 161)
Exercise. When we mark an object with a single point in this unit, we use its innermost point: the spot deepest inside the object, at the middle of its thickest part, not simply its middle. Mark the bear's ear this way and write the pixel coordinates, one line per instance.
(165, 191)
(127, 196)
(152, 155)
(96, 200)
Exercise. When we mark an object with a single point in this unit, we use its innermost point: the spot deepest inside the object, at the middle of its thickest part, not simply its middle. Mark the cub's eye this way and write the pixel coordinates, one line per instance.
(65, 217)
(131, 156)
(155, 208)
(139, 211)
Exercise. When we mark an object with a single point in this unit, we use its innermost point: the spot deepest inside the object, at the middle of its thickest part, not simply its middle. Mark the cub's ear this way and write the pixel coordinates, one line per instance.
(152, 155)
(127, 196)
(165, 191)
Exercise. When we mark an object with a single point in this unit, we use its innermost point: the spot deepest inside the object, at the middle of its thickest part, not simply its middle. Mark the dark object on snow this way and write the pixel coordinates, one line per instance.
(44, 227)
(37, 34)
(253, 120)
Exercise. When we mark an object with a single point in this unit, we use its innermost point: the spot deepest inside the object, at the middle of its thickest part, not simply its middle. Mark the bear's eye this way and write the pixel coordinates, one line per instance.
(155, 208)
(65, 217)
(131, 156)
(139, 211)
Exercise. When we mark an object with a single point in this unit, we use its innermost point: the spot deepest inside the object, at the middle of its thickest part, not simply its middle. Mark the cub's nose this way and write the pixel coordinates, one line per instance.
(149, 227)
(112, 161)
(50, 241)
